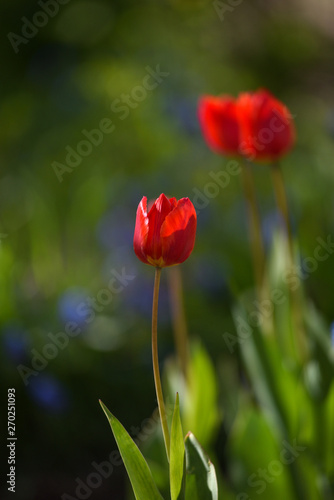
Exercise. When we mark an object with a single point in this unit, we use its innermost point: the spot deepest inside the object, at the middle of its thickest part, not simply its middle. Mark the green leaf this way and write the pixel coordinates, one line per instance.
(201, 413)
(201, 481)
(139, 473)
(261, 370)
(329, 432)
(177, 456)
(320, 369)
(249, 427)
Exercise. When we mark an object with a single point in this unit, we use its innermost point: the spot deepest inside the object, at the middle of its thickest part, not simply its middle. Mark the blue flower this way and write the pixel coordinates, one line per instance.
(48, 393)
(15, 341)
(68, 306)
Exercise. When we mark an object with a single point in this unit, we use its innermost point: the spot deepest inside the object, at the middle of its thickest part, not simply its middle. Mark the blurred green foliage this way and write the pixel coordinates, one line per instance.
(61, 242)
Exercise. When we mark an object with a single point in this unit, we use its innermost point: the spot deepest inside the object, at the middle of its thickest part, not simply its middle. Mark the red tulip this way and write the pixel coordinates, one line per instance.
(255, 125)
(165, 236)
(219, 122)
(266, 128)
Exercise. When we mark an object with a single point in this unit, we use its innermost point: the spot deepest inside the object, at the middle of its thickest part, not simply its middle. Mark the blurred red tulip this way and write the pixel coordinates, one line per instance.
(255, 125)
(165, 236)
(267, 131)
(219, 122)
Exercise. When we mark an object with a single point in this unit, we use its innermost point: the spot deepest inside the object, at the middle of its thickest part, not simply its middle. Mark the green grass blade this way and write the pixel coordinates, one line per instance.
(177, 456)
(138, 471)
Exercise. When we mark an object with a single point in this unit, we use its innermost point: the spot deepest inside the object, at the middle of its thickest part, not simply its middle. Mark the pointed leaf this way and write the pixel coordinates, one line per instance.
(201, 481)
(139, 473)
(177, 456)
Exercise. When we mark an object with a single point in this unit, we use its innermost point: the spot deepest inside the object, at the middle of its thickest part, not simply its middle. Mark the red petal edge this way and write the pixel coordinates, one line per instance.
(141, 230)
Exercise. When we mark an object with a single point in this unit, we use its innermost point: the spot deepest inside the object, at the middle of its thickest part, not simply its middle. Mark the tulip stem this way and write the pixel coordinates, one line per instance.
(156, 372)
(254, 226)
(178, 317)
(296, 306)
(282, 203)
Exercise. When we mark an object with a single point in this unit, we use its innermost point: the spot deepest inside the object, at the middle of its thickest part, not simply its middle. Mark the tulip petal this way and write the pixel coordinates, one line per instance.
(141, 230)
(276, 119)
(178, 233)
(266, 127)
(218, 119)
(156, 216)
(246, 119)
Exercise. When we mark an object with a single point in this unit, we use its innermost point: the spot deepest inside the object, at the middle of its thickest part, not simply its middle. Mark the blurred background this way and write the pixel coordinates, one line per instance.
(99, 108)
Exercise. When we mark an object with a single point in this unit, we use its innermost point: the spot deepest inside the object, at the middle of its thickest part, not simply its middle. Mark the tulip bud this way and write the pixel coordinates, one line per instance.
(165, 236)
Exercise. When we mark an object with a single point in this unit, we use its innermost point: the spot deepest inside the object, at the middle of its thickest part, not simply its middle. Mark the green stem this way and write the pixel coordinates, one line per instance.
(296, 306)
(282, 204)
(156, 372)
(178, 317)
(254, 226)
